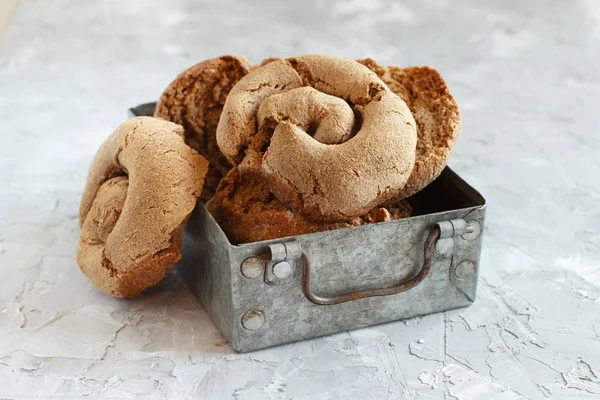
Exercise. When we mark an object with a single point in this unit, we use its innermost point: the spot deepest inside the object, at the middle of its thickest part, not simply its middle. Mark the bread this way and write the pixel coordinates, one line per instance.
(141, 188)
(290, 120)
(247, 212)
(436, 113)
(195, 100)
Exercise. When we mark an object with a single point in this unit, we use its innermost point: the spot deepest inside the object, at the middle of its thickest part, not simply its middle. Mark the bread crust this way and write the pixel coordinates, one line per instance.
(436, 114)
(195, 100)
(142, 186)
(266, 127)
(248, 212)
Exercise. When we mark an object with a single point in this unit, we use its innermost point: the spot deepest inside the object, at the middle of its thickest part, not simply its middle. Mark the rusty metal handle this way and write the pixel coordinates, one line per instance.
(428, 250)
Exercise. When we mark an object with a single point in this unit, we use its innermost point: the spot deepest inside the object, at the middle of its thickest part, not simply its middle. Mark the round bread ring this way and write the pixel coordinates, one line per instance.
(326, 182)
(435, 112)
(141, 188)
(247, 211)
(195, 100)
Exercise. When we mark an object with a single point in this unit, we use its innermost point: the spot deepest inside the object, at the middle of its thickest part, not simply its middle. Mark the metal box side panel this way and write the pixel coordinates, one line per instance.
(205, 265)
(349, 259)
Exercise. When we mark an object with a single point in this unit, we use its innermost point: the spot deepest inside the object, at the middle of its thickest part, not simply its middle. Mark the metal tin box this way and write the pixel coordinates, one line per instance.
(284, 290)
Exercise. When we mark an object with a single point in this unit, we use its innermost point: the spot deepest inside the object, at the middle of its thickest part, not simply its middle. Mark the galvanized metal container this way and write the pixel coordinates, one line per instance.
(284, 290)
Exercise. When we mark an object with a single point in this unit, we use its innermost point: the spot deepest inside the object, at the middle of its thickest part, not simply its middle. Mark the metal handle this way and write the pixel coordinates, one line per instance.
(428, 250)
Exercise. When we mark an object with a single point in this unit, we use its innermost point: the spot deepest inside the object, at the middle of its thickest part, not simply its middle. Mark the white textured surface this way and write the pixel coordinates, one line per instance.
(527, 77)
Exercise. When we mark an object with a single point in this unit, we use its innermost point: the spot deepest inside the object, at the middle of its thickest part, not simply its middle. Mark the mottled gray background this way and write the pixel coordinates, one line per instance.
(526, 75)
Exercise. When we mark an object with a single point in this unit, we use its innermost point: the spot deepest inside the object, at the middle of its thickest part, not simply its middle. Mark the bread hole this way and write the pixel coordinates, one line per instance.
(311, 128)
(358, 121)
(264, 138)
